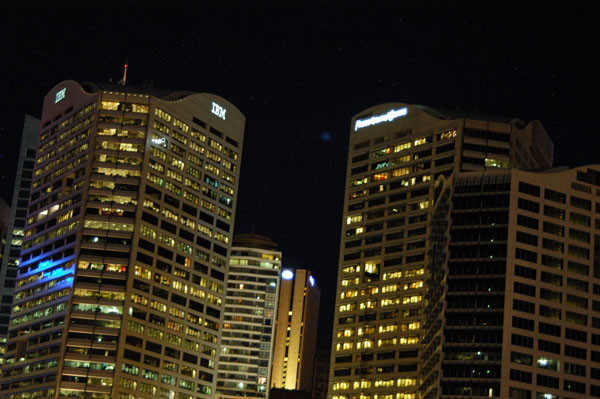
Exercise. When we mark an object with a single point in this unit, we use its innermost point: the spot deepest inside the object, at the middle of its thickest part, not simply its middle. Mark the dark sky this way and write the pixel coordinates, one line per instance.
(300, 72)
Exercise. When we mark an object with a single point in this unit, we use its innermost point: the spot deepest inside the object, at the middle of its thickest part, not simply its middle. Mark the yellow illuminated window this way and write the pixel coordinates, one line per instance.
(400, 172)
(402, 147)
(354, 219)
(371, 304)
(406, 382)
(371, 268)
(110, 105)
(411, 299)
(389, 288)
(351, 269)
(392, 275)
(350, 281)
(380, 176)
(347, 307)
(358, 182)
(388, 328)
(496, 163)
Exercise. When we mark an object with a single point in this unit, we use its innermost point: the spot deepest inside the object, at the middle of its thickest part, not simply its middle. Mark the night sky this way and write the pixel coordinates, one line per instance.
(300, 72)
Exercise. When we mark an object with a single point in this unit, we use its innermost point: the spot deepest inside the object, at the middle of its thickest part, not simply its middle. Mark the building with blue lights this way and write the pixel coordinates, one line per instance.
(248, 331)
(296, 331)
(120, 290)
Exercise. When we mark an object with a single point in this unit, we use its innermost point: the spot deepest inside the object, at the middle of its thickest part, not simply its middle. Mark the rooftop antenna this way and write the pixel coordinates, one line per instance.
(124, 80)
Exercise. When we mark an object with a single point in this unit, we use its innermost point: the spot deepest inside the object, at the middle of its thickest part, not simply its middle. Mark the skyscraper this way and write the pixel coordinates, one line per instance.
(514, 285)
(249, 322)
(120, 289)
(16, 220)
(397, 151)
(296, 331)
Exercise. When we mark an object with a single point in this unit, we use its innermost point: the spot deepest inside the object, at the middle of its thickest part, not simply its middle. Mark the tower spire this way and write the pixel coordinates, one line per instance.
(124, 80)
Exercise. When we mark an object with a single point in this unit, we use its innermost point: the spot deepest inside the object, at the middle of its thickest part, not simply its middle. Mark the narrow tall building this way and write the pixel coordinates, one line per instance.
(120, 288)
(16, 221)
(397, 151)
(296, 331)
(514, 293)
(249, 323)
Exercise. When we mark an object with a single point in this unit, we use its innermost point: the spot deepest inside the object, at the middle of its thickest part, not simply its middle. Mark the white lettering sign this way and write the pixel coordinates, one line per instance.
(60, 95)
(218, 110)
(374, 120)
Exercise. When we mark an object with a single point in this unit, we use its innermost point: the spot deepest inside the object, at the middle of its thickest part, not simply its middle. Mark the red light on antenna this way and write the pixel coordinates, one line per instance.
(125, 65)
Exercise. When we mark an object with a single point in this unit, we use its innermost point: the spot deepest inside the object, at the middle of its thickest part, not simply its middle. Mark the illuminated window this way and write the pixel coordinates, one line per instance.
(400, 172)
(384, 384)
(406, 382)
(358, 182)
(402, 147)
(364, 344)
(371, 268)
(110, 105)
(367, 329)
(380, 176)
(420, 141)
(409, 340)
(392, 275)
(390, 301)
(496, 163)
(354, 219)
(162, 114)
(350, 281)
(361, 384)
(411, 299)
(388, 328)
(370, 304)
(389, 288)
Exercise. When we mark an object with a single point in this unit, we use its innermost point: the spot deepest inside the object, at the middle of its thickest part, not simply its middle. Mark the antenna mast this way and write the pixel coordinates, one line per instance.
(124, 80)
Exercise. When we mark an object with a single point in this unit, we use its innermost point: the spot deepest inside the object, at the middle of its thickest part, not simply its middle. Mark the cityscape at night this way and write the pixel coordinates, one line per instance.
(390, 201)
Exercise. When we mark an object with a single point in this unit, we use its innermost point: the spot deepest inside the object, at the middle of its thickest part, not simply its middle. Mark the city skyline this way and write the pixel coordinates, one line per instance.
(300, 76)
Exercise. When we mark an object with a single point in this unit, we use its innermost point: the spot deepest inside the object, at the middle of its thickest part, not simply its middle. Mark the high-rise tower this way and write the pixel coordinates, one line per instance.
(397, 151)
(249, 322)
(296, 332)
(120, 289)
(16, 220)
(514, 286)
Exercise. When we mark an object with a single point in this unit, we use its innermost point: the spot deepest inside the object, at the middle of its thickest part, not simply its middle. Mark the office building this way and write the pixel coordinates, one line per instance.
(249, 324)
(16, 220)
(396, 153)
(296, 331)
(321, 374)
(514, 286)
(120, 288)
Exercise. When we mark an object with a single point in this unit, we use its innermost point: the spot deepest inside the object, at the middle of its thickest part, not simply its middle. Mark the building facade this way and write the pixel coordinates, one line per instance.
(515, 312)
(249, 323)
(120, 289)
(397, 152)
(16, 220)
(296, 331)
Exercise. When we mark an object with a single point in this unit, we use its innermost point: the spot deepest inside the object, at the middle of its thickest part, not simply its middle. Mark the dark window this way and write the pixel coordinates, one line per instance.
(529, 189)
(548, 346)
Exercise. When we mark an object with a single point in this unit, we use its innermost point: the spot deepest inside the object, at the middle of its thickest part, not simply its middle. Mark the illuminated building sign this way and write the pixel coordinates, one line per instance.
(218, 110)
(60, 95)
(287, 274)
(374, 120)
